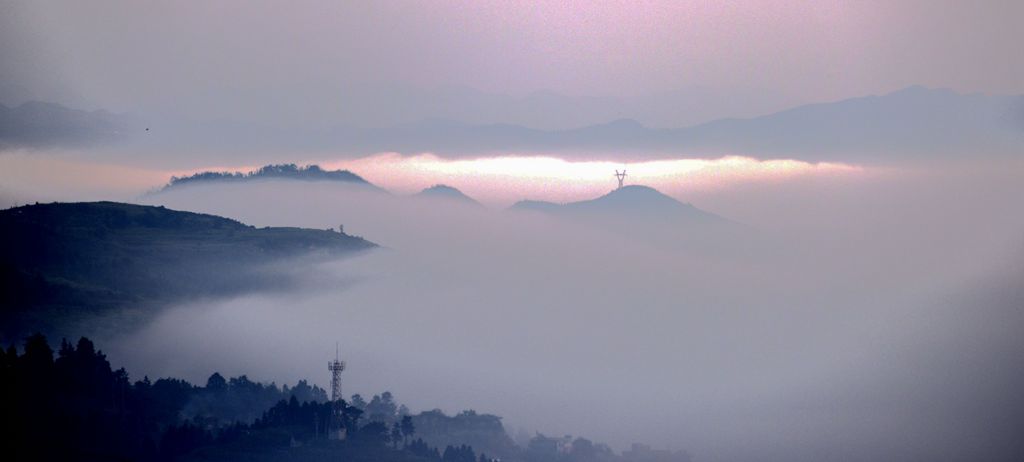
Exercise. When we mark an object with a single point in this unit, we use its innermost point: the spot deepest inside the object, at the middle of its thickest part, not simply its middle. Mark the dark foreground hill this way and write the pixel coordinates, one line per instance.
(70, 404)
(64, 260)
(73, 405)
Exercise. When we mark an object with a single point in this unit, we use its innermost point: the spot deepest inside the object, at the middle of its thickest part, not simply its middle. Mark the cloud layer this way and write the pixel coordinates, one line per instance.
(881, 326)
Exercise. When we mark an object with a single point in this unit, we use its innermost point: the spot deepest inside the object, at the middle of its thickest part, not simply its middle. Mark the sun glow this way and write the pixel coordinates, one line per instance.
(497, 181)
(506, 179)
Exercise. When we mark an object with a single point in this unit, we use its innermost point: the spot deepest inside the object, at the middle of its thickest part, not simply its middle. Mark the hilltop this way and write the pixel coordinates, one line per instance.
(632, 201)
(64, 260)
(272, 172)
(445, 192)
(645, 215)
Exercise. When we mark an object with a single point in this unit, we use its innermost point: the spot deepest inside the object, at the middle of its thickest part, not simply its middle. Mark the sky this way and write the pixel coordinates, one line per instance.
(269, 67)
(368, 63)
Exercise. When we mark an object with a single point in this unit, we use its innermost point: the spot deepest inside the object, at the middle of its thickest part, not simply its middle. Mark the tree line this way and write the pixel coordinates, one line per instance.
(288, 171)
(69, 404)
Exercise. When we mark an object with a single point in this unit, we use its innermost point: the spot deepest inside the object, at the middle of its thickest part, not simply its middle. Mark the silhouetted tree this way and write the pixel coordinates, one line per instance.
(358, 402)
(216, 383)
(461, 453)
(407, 428)
(421, 449)
(382, 408)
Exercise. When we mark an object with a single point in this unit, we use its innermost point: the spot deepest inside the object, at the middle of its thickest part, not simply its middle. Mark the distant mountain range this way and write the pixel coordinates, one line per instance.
(631, 201)
(637, 212)
(915, 122)
(311, 172)
(64, 261)
(38, 124)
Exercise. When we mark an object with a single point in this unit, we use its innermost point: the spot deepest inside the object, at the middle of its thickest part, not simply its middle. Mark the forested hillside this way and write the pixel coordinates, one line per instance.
(102, 414)
(61, 261)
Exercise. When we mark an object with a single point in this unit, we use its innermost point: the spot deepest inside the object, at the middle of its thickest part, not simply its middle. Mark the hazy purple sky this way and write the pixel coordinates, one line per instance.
(313, 60)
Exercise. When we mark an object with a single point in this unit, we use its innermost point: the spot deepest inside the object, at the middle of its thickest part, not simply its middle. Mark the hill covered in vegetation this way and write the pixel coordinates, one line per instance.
(70, 404)
(61, 261)
(75, 407)
(272, 172)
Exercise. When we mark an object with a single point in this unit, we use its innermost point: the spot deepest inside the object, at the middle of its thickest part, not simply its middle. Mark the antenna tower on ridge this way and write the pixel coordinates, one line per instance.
(621, 176)
(336, 367)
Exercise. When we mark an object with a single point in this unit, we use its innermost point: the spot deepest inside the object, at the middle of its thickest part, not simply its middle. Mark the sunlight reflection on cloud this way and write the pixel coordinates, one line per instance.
(508, 178)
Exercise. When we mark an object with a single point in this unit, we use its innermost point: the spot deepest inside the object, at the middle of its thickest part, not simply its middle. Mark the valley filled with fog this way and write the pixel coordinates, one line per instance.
(876, 314)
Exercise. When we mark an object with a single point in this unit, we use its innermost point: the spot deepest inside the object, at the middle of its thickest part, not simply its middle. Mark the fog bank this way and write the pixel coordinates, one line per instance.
(882, 325)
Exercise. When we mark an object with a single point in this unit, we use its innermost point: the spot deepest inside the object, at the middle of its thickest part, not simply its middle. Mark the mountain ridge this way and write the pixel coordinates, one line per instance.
(44, 124)
(311, 172)
(80, 259)
(914, 122)
(909, 123)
